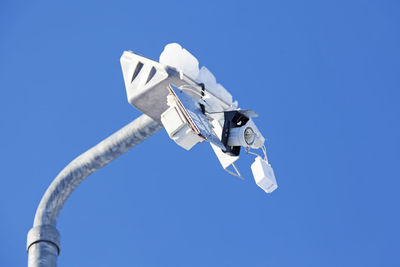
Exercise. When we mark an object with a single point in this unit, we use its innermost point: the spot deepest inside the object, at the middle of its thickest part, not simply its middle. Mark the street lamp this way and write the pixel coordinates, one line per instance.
(173, 93)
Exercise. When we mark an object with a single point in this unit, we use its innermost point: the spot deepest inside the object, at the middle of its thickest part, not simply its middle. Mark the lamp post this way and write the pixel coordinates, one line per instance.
(205, 112)
(43, 241)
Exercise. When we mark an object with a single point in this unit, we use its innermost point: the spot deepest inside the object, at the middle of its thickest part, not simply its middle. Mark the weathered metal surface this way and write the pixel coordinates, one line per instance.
(43, 243)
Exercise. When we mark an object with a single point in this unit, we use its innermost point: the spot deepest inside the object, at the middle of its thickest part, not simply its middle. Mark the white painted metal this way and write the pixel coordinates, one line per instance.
(178, 128)
(264, 175)
(148, 84)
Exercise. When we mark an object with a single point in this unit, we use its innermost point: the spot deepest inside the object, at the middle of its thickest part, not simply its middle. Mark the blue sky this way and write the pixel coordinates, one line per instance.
(323, 75)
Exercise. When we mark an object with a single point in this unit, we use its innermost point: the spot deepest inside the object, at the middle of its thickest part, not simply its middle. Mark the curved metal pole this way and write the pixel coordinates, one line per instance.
(43, 241)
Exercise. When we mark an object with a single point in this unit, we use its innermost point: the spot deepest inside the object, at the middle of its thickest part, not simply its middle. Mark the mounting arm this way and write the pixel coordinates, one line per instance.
(43, 241)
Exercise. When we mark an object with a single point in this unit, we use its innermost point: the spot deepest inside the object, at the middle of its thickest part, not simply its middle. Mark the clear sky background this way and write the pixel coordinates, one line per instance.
(323, 75)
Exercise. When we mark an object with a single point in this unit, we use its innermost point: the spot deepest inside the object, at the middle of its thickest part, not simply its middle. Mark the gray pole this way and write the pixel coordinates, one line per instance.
(43, 241)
